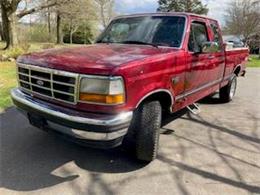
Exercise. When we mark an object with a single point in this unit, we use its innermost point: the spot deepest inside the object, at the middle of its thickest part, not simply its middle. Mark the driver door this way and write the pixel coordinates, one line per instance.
(200, 73)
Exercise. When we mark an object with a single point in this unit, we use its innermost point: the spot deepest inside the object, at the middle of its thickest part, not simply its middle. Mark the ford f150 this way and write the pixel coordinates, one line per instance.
(115, 91)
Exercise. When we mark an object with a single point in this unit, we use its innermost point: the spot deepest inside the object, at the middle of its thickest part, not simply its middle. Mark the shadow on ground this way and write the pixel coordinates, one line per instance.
(29, 156)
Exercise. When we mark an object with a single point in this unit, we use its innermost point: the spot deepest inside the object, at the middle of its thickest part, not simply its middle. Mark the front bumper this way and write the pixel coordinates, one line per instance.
(97, 130)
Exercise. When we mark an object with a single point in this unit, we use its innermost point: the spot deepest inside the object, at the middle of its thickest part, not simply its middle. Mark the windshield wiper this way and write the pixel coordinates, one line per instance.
(139, 43)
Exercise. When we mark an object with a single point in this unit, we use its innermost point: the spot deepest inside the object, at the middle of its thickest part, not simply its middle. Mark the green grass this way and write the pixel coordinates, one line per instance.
(254, 61)
(7, 82)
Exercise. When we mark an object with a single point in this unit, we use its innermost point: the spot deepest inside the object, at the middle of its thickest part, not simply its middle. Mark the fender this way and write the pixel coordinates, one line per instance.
(230, 77)
(157, 91)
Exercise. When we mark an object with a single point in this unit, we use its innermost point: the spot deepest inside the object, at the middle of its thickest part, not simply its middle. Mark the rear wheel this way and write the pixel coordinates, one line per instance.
(228, 92)
(144, 131)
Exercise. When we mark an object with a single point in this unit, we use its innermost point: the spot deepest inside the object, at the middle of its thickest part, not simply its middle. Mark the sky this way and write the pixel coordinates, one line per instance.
(216, 7)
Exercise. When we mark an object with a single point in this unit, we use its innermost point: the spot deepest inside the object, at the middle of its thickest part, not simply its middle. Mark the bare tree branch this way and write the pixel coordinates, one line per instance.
(35, 9)
(106, 10)
(243, 18)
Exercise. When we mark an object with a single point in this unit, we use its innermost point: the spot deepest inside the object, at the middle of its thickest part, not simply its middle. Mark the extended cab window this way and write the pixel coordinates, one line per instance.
(216, 34)
(157, 30)
(198, 35)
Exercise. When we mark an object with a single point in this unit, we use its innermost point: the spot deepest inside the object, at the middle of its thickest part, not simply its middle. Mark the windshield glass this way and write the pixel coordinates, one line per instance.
(154, 30)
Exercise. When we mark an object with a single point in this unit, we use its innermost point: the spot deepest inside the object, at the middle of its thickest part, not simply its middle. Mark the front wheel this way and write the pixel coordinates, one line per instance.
(228, 92)
(146, 126)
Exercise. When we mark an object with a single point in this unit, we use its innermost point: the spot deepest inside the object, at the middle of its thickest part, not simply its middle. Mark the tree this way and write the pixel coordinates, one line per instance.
(106, 8)
(1, 32)
(48, 16)
(75, 17)
(243, 18)
(191, 6)
(254, 44)
(10, 18)
(59, 38)
(82, 35)
(72, 16)
(1, 27)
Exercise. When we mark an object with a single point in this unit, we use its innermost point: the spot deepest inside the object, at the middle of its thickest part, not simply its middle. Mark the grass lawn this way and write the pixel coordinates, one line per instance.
(7, 82)
(254, 61)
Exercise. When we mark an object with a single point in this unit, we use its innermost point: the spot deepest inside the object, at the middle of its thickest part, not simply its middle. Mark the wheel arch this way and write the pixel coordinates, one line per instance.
(237, 69)
(164, 96)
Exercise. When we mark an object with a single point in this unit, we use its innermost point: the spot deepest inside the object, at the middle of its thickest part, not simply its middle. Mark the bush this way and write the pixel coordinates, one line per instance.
(39, 33)
(82, 36)
(25, 46)
(48, 46)
(14, 52)
(11, 54)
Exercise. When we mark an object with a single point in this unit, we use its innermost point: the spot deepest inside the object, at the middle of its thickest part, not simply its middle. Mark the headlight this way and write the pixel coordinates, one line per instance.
(102, 90)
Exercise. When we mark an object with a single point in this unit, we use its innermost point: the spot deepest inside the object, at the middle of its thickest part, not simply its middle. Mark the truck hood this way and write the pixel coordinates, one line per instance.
(87, 59)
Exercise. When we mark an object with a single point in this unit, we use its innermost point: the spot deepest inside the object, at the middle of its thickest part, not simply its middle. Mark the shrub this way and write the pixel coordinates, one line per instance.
(39, 33)
(48, 46)
(25, 46)
(14, 52)
(82, 36)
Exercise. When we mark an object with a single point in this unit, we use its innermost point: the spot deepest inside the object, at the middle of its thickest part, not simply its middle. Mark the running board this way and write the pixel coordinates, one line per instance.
(194, 109)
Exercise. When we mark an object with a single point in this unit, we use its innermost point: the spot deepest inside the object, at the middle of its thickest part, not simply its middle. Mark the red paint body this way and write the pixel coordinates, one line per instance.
(146, 69)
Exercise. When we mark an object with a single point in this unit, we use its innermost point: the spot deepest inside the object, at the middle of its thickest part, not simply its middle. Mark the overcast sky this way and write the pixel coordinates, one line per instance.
(216, 7)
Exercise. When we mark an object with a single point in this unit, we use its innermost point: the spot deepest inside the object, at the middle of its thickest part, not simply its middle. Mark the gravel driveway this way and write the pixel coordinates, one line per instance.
(215, 152)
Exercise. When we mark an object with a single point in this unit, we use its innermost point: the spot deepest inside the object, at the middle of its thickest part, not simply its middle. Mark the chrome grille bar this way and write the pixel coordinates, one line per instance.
(54, 84)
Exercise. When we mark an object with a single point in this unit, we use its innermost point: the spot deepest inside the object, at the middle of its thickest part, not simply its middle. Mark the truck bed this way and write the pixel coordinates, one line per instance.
(236, 57)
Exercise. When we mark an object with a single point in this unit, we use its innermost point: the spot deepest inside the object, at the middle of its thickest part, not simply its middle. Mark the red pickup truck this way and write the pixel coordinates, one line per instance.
(115, 91)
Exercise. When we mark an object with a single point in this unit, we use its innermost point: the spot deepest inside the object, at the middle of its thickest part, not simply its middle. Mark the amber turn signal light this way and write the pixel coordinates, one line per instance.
(103, 99)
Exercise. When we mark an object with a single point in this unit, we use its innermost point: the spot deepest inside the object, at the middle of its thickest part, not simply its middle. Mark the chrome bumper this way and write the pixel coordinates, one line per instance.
(27, 103)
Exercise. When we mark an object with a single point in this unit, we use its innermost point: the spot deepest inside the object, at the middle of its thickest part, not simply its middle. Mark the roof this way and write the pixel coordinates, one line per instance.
(165, 14)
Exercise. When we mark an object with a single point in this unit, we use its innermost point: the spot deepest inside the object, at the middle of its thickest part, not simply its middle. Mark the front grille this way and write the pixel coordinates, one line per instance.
(55, 84)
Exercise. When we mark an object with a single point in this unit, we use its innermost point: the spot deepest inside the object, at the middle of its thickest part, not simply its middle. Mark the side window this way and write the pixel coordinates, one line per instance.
(198, 35)
(216, 34)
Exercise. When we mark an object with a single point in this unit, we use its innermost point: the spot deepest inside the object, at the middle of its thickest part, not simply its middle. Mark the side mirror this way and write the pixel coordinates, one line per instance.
(210, 47)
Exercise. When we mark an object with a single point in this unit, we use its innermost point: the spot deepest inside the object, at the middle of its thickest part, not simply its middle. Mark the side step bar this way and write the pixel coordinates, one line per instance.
(194, 109)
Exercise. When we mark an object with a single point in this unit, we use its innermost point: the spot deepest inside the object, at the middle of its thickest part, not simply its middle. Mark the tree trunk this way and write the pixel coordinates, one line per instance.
(13, 29)
(259, 46)
(71, 37)
(59, 39)
(49, 24)
(10, 30)
(85, 36)
(259, 52)
(1, 32)
(10, 19)
(5, 23)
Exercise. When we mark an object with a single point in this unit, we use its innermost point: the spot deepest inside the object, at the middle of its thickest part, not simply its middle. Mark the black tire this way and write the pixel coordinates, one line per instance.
(145, 130)
(227, 93)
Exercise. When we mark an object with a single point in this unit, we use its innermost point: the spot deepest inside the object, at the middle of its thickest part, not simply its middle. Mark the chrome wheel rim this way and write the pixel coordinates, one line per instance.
(233, 88)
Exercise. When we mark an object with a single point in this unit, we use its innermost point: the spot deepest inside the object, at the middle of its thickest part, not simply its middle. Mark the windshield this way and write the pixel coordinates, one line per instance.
(153, 30)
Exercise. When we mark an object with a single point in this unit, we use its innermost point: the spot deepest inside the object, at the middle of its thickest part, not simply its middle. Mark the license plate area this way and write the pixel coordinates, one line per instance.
(37, 120)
